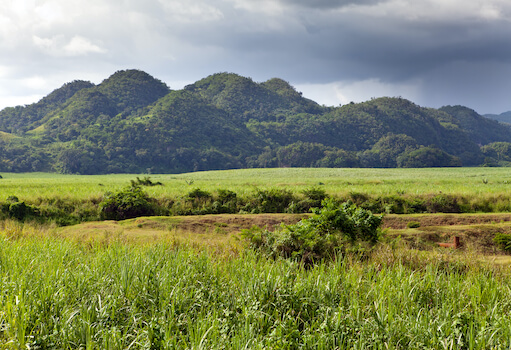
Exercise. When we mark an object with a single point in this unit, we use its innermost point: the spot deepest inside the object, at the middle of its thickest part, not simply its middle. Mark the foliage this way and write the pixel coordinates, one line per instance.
(497, 154)
(442, 203)
(386, 151)
(21, 211)
(146, 181)
(427, 157)
(198, 194)
(128, 203)
(503, 241)
(480, 130)
(273, 200)
(133, 123)
(319, 237)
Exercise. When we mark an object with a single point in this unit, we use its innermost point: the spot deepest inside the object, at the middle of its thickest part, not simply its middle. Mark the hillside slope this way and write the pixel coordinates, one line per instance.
(133, 122)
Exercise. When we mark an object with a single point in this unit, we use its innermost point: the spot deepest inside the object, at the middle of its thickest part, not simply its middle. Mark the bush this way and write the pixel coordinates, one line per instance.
(129, 203)
(443, 203)
(20, 211)
(503, 241)
(198, 194)
(13, 199)
(273, 200)
(315, 194)
(318, 237)
(146, 181)
(313, 198)
(227, 202)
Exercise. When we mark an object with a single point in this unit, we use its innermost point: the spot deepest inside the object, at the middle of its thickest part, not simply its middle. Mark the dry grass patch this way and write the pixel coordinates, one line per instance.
(395, 221)
(216, 232)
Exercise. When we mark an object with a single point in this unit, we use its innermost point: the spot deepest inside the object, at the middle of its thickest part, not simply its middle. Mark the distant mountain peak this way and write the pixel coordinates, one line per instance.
(502, 117)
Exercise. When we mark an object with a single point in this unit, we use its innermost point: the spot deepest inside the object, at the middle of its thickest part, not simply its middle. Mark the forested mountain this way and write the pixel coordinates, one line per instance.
(503, 117)
(132, 122)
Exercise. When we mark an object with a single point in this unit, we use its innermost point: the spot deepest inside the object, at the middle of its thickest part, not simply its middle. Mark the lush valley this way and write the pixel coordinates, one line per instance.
(134, 123)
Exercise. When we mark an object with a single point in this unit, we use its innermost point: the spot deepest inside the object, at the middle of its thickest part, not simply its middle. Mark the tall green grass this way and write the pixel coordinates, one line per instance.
(55, 294)
(342, 182)
(68, 199)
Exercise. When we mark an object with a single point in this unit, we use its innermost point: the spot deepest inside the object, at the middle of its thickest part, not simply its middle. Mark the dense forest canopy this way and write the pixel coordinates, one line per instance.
(132, 122)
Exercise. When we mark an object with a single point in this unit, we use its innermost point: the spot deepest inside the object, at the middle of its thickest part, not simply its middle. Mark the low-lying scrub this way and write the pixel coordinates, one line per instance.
(134, 201)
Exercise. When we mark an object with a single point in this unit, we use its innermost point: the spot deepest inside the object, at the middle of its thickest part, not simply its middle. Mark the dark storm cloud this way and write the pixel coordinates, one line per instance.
(440, 50)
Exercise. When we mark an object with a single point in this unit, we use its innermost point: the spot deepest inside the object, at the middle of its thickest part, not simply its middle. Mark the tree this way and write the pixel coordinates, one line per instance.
(426, 157)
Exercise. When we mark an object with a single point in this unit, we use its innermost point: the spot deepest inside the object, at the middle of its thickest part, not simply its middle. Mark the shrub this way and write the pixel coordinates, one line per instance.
(315, 194)
(146, 181)
(358, 197)
(443, 203)
(198, 194)
(318, 237)
(20, 211)
(226, 202)
(226, 196)
(503, 241)
(273, 200)
(313, 198)
(126, 204)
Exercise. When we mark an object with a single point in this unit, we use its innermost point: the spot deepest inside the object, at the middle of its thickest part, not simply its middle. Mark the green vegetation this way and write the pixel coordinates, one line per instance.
(133, 123)
(59, 294)
(130, 203)
(70, 199)
(333, 281)
(503, 240)
(319, 237)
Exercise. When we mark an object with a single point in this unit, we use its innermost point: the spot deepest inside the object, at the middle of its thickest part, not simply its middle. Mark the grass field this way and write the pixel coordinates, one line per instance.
(463, 181)
(190, 283)
(59, 294)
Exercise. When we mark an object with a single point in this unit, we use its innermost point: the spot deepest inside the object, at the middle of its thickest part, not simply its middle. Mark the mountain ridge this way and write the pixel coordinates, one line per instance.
(133, 122)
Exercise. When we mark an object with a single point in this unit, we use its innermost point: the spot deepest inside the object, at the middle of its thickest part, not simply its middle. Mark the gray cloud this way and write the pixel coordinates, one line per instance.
(456, 52)
(330, 4)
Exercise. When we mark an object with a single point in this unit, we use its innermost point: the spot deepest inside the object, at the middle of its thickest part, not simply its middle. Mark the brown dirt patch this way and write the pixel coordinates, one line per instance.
(425, 220)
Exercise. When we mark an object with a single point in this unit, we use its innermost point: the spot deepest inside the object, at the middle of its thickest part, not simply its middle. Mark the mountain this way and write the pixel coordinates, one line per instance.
(247, 100)
(503, 117)
(130, 90)
(133, 122)
(20, 119)
(481, 130)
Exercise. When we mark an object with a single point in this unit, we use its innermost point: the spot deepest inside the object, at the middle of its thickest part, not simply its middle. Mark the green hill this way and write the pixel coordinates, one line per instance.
(245, 99)
(132, 89)
(21, 119)
(503, 117)
(133, 122)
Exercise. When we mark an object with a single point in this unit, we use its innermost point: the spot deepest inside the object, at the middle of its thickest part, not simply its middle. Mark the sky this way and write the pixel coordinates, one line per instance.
(432, 52)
